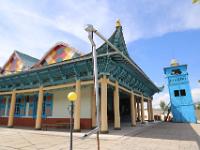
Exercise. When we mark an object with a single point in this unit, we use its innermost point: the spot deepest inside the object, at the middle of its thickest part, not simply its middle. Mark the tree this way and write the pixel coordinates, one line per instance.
(198, 106)
(195, 1)
(163, 106)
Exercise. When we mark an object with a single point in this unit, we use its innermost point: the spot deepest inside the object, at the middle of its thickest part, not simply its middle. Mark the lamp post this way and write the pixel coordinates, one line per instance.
(90, 30)
(72, 96)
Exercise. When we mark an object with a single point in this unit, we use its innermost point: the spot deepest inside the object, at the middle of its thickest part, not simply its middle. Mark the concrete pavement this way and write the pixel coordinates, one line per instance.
(154, 136)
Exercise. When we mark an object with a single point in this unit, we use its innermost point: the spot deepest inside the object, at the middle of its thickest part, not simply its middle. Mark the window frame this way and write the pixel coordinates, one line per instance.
(176, 93)
(2, 106)
(20, 106)
(183, 92)
(47, 103)
(32, 100)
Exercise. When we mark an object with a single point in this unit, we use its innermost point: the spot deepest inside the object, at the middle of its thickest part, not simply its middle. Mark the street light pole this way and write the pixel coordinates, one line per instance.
(72, 96)
(71, 125)
(90, 31)
(96, 89)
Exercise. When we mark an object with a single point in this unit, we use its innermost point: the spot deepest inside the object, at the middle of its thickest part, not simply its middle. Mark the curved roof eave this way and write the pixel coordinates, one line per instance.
(133, 64)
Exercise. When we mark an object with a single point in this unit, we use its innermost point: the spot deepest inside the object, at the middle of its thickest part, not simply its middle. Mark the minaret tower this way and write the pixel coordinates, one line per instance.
(182, 106)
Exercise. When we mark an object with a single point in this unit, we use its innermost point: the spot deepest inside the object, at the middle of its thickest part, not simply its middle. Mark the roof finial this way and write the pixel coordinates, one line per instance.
(118, 24)
(174, 63)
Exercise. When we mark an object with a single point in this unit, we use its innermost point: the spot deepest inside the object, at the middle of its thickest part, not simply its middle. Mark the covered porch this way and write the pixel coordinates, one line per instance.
(113, 108)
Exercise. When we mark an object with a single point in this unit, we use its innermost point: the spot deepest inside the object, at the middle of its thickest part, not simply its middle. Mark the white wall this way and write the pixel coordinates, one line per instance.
(61, 104)
(86, 102)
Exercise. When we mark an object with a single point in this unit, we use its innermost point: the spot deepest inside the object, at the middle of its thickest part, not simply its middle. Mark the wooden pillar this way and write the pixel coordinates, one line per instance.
(151, 110)
(133, 118)
(77, 107)
(138, 111)
(39, 109)
(93, 107)
(148, 110)
(142, 109)
(135, 108)
(12, 109)
(104, 117)
(117, 125)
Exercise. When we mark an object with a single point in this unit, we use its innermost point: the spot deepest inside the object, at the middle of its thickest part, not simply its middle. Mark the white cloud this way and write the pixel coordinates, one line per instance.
(196, 94)
(161, 17)
(31, 31)
(33, 27)
(164, 96)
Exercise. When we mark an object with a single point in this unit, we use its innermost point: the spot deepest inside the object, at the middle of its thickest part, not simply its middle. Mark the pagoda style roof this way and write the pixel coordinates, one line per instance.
(118, 66)
(17, 62)
(28, 60)
(59, 52)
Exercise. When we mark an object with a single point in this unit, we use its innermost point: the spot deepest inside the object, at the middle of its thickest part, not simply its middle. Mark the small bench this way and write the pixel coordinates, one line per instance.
(55, 125)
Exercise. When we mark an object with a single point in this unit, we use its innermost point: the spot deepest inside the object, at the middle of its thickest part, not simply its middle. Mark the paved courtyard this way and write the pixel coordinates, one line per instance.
(154, 136)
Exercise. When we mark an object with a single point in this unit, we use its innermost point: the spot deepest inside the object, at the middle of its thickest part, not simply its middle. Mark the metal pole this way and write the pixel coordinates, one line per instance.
(90, 31)
(71, 125)
(96, 83)
(97, 90)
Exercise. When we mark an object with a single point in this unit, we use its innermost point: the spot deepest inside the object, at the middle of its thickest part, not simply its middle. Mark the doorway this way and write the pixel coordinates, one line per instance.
(125, 108)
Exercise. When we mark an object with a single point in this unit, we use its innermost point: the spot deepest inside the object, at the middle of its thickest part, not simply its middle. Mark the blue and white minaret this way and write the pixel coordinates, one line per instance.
(182, 106)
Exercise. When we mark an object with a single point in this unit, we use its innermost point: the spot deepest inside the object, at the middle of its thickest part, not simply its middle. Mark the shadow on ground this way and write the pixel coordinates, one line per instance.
(171, 131)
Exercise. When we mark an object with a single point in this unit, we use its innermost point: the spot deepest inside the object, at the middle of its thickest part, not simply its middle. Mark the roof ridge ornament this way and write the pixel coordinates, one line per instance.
(118, 23)
(174, 63)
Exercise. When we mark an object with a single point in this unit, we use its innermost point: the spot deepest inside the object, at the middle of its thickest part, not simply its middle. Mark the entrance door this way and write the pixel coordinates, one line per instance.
(125, 111)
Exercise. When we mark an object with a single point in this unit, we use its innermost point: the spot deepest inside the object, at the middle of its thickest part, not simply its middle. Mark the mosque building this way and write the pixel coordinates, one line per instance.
(34, 92)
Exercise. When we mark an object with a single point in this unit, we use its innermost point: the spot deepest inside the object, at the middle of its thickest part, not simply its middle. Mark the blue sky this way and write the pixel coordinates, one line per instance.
(155, 31)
